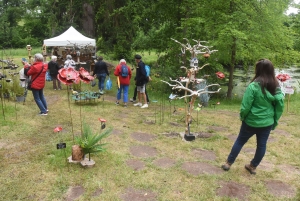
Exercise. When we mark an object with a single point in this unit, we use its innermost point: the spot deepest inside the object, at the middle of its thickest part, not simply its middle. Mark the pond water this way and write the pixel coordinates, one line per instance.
(242, 78)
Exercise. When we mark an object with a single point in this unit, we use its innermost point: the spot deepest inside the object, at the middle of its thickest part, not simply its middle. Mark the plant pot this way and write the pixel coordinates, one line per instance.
(6, 95)
(77, 153)
(20, 98)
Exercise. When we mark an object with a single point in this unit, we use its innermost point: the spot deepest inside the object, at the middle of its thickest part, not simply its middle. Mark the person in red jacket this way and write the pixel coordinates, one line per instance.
(124, 77)
(37, 71)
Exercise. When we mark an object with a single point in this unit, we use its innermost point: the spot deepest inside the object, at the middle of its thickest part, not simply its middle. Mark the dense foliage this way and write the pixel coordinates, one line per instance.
(241, 31)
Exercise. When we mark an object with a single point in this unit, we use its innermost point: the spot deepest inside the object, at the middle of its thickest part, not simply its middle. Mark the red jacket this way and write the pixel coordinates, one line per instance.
(123, 80)
(35, 69)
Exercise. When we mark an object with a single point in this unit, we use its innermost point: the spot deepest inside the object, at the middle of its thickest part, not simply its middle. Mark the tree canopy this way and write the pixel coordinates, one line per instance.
(242, 31)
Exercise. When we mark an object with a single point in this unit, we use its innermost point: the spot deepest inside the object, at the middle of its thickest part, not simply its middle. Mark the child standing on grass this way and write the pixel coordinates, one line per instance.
(261, 108)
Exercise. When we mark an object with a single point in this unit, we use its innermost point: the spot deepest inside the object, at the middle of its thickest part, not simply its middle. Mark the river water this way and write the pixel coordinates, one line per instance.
(242, 78)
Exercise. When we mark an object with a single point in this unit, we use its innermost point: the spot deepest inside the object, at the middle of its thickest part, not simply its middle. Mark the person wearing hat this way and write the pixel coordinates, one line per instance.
(53, 68)
(124, 81)
(140, 82)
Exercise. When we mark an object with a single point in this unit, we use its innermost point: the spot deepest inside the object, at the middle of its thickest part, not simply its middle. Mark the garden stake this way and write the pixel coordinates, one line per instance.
(61, 145)
(68, 91)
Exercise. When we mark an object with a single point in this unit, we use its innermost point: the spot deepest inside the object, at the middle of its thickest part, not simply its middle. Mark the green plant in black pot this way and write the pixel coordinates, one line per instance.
(91, 142)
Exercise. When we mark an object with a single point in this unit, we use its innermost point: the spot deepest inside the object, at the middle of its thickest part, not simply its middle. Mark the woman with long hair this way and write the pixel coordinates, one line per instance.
(261, 108)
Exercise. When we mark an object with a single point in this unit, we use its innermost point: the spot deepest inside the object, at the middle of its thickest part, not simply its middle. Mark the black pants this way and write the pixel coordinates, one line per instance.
(135, 93)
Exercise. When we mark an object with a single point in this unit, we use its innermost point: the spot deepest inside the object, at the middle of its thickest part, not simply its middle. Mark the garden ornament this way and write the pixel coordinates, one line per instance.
(191, 73)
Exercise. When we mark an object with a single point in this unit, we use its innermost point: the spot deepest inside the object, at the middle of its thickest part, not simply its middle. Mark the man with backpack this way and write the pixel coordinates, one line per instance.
(123, 73)
(140, 81)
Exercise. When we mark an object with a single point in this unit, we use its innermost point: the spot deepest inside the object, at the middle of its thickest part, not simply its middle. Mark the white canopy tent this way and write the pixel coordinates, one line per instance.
(69, 38)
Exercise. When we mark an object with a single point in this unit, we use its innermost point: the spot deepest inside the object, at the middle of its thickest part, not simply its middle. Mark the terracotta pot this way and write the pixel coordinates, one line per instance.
(77, 153)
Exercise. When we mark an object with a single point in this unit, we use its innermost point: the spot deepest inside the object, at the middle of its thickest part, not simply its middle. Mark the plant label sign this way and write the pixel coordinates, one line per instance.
(61, 145)
(288, 90)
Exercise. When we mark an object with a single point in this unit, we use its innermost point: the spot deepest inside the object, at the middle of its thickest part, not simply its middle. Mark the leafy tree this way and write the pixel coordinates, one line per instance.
(245, 31)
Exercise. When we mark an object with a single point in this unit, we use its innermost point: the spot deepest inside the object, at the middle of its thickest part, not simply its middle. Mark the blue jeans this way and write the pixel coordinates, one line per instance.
(246, 132)
(101, 77)
(40, 100)
(125, 89)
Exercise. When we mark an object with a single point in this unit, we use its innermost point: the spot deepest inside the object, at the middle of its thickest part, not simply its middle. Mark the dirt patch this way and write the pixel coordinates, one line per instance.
(280, 189)
(216, 128)
(249, 150)
(143, 151)
(135, 164)
(272, 139)
(53, 99)
(289, 169)
(132, 194)
(204, 154)
(117, 132)
(203, 135)
(176, 124)
(142, 137)
(74, 192)
(108, 98)
(196, 168)
(233, 190)
(164, 162)
(172, 134)
(149, 122)
(97, 192)
(232, 137)
(282, 132)
(266, 166)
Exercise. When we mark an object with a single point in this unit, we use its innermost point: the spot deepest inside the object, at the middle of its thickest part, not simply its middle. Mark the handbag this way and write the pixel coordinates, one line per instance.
(31, 81)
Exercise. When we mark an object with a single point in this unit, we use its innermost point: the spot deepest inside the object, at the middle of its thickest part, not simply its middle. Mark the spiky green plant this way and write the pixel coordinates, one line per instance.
(89, 141)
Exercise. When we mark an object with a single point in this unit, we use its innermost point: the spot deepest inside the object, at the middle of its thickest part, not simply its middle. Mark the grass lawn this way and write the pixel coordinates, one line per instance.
(146, 158)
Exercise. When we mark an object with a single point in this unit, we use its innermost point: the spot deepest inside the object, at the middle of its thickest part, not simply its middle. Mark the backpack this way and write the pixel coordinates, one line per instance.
(147, 68)
(124, 71)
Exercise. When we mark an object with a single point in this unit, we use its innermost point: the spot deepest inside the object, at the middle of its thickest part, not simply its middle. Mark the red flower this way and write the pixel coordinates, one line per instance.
(57, 129)
(220, 75)
(102, 120)
(283, 77)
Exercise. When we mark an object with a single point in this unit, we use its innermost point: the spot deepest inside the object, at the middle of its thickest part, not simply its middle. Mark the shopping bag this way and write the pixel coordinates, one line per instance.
(108, 85)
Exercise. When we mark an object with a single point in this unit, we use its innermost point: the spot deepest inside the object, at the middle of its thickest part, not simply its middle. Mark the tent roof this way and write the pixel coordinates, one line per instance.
(69, 38)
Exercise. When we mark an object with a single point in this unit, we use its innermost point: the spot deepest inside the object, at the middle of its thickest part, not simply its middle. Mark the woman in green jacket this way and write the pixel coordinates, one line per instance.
(261, 108)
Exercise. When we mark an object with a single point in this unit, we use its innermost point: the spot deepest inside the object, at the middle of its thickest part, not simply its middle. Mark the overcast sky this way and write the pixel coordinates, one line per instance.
(291, 9)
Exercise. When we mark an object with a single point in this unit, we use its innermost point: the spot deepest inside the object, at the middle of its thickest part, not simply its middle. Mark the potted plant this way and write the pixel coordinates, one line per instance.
(90, 142)
(5, 89)
(18, 90)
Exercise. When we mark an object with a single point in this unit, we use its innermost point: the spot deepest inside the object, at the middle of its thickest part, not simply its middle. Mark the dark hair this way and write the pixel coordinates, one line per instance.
(100, 58)
(265, 75)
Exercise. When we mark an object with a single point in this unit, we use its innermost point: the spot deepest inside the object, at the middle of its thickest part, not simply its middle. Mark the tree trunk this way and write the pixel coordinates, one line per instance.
(231, 69)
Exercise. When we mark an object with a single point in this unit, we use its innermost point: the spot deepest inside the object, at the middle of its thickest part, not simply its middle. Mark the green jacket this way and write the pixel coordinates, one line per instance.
(261, 110)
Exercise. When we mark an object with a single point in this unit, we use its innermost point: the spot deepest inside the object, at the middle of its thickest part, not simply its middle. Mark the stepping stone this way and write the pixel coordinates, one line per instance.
(204, 154)
(142, 137)
(233, 190)
(132, 194)
(143, 151)
(280, 189)
(74, 192)
(196, 168)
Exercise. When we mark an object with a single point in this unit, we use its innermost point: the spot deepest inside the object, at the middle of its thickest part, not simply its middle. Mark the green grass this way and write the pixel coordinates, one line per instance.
(33, 169)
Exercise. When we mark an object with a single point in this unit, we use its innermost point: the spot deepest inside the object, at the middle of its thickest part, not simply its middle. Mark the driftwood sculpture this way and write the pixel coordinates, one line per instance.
(191, 73)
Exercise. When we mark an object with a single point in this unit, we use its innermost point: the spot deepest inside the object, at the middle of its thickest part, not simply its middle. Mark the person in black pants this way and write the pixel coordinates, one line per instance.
(135, 94)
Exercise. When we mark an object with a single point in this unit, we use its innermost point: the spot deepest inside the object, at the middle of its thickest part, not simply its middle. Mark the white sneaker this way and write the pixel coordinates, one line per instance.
(137, 104)
(145, 106)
